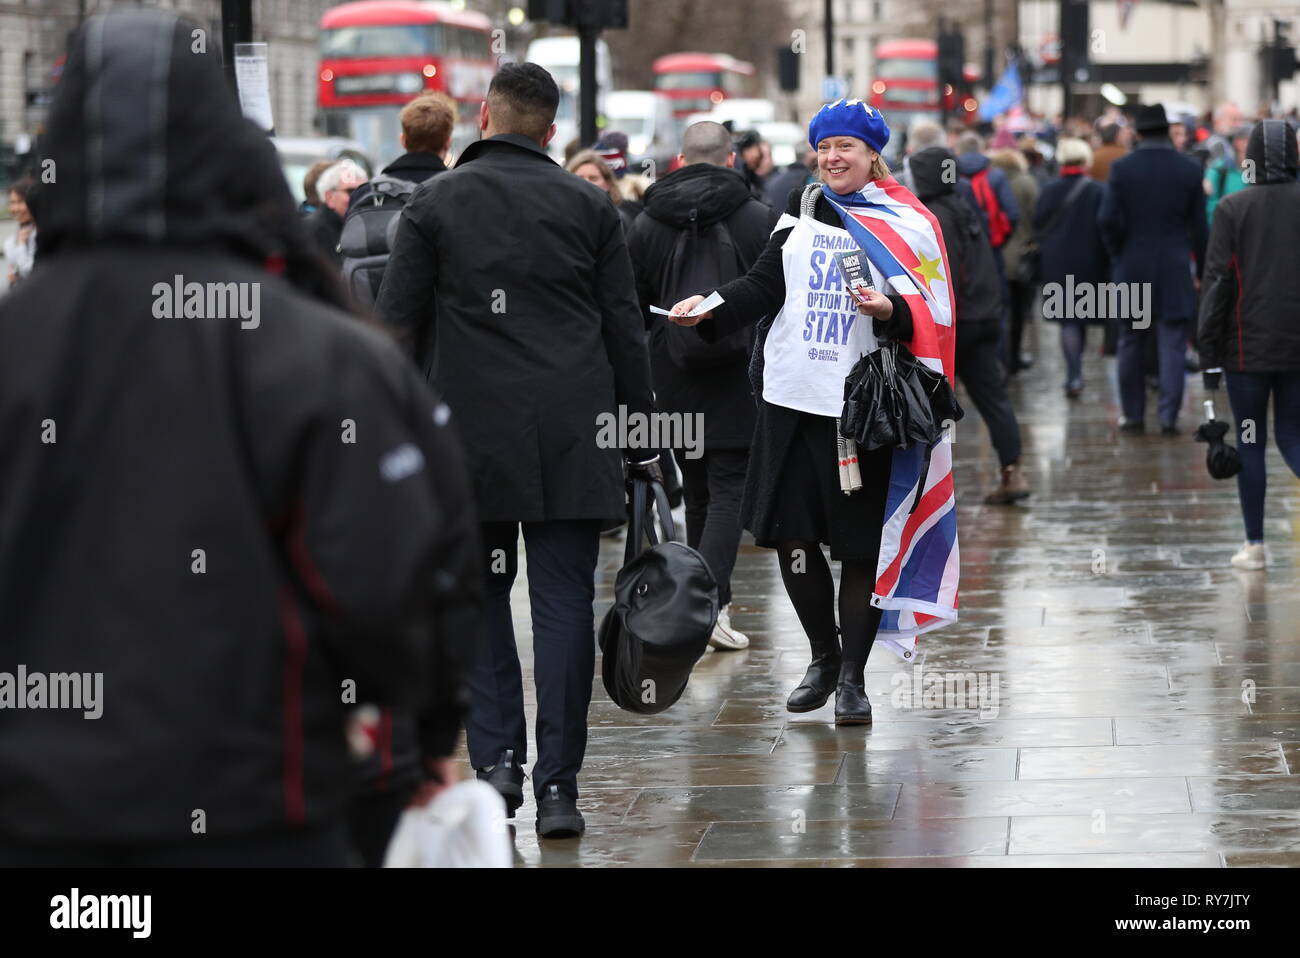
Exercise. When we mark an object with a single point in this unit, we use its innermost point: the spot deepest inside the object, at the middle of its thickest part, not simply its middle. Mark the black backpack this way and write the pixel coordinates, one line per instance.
(665, 607)
(703, 259)
(367, 238)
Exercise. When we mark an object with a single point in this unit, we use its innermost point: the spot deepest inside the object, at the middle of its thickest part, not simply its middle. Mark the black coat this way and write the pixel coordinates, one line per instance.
(970, 254)
(1250, 313)
(412, 167)
(325, 227)
(1074, 245)
(758, 296)
(510, 284)
(1153, 220)
(223, 670)
(714, 193)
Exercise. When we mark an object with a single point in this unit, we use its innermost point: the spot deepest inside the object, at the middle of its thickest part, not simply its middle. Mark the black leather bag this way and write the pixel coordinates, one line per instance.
(665, 607)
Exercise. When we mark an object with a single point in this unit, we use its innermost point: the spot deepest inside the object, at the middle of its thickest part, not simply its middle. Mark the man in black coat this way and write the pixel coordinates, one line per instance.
(1153, 221)
(510, 284)
(693, 199)
(427, 123)
(977, 311)
(235, 503)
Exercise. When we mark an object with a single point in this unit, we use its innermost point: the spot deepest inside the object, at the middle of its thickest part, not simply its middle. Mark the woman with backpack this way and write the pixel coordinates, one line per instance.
(1071, 251)
(1250, 317)
(795, 499)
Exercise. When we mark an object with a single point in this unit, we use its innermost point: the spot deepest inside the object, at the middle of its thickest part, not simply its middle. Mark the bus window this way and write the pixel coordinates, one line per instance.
(410, 40)
(902, 68)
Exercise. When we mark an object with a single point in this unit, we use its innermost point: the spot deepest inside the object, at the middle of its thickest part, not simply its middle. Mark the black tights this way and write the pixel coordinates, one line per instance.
(808, 582)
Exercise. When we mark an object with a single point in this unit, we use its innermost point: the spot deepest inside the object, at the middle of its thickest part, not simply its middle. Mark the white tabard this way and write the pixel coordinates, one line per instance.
(819, 333)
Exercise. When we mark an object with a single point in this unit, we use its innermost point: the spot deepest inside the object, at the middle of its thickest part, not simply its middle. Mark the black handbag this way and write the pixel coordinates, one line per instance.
(892, 400)
(665, 607)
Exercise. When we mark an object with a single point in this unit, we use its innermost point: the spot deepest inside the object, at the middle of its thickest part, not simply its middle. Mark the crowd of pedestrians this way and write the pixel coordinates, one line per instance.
(334, 497)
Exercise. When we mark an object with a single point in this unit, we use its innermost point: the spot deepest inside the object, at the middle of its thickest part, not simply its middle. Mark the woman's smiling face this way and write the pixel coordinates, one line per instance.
(845, 163)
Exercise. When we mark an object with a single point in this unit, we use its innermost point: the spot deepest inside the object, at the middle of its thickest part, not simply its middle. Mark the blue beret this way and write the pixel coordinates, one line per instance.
(849, 118)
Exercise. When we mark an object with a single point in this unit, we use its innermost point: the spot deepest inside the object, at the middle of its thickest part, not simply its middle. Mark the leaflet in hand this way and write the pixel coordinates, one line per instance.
(708, 303)
(853, 268)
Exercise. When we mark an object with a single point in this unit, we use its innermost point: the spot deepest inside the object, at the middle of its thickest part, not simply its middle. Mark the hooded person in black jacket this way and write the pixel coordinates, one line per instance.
(1250, 315)
(227, 505)
(978, 311)
(707, 190)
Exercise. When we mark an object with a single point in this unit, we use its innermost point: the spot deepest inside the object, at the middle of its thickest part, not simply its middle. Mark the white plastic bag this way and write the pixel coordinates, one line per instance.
(463, 827)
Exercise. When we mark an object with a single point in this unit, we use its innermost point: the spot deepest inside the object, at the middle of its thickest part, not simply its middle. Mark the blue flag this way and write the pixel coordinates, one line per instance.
(1006, 94)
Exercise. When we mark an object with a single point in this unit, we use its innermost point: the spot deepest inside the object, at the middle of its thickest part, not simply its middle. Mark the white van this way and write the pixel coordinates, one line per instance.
(646, 116)
(559, 56)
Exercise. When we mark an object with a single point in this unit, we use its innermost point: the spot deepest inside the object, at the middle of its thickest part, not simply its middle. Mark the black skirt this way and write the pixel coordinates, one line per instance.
(808, 505)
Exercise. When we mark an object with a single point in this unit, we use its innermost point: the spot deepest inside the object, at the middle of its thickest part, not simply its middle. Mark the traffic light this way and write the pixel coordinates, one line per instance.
(1074, 36)
(787, 68)
(548, 11)
(952, 57)
(1284, 62)
(589, 14)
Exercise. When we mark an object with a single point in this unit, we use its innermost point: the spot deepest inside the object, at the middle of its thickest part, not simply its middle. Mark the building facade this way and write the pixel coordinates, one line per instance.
(34, 34)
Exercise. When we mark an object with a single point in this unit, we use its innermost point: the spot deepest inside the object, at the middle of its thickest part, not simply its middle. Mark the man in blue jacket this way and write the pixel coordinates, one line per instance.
(1153, 222)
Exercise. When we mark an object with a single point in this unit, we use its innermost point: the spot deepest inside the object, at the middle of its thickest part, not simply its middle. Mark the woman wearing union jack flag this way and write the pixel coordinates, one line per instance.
(895, 538)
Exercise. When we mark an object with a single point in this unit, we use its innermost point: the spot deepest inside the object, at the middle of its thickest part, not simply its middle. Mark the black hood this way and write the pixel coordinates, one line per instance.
(927, 168)
(149, 146)
(1272, 149)
(709, 192)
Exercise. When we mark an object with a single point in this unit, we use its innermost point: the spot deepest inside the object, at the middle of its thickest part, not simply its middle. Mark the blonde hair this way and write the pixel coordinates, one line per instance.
(1009, 160)
(584, 157)
(1073, 152)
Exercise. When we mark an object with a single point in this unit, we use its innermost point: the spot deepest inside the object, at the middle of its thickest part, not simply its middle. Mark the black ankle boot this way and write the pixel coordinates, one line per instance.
(851, 705)
(818, 682)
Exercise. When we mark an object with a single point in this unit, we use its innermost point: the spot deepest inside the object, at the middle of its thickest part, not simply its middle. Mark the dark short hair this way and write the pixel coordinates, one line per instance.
(1109, 132)
(706, 142)
(523, 99)
(22, 187)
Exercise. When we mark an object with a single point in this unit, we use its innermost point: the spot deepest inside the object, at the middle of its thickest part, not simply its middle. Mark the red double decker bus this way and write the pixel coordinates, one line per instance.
(697, 82)
(906, 87)
(377, 55)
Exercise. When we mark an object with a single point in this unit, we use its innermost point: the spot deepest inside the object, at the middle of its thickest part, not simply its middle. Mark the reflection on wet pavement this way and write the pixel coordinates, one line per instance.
(1117, 695)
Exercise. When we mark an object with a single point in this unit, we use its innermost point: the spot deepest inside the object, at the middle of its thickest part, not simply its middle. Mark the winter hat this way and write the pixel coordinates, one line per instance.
(849, 118)
(1151, 118)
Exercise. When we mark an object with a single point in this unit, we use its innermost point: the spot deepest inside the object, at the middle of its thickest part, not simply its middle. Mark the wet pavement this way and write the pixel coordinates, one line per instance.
(1116, 693)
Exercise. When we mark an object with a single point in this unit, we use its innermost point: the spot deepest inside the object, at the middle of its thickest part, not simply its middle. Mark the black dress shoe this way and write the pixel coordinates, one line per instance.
(851, 704)
(1132, 428)
(817, 684)
(507, 778)
(558, 815)
(1168, 429)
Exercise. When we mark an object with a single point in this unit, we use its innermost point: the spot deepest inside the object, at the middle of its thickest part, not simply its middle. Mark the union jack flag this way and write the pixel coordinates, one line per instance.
(918, 568)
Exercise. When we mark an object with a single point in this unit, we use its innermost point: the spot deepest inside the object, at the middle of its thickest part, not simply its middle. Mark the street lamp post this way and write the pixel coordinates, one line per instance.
(236, 27)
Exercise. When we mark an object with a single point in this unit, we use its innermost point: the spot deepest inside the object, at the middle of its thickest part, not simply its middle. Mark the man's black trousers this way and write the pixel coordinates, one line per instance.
(561, 587)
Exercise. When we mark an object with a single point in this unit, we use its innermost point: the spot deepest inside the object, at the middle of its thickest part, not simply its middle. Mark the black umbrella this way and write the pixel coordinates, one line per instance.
(1222, 460)
(893, 400)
